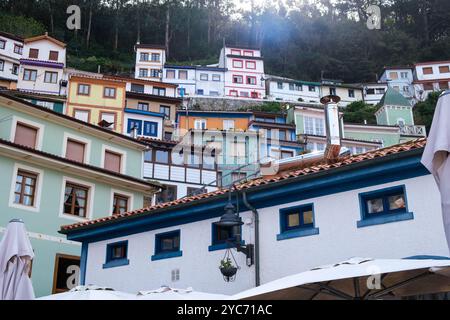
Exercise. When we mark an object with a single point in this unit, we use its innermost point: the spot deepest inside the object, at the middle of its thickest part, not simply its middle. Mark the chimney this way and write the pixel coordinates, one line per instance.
(333, 129)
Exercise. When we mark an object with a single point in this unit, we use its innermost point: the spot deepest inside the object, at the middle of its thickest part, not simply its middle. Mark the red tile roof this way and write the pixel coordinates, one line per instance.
(348, 160)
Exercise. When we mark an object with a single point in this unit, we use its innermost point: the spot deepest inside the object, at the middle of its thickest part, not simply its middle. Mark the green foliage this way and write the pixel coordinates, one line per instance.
(226, 263)
(358, 112)
(424, 111)
(20, 25)
(267, 106)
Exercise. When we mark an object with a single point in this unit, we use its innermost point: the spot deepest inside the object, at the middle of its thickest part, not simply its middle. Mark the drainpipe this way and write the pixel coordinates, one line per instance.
(256, 215)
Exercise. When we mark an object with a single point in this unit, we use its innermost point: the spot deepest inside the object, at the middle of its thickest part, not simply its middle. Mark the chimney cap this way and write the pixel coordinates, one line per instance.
(330, 98)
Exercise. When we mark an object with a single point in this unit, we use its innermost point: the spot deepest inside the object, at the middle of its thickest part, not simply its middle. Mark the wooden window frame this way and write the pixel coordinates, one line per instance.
(427, 72)
(251, 84)
(18, 49)
(441, 68)
(140, 103)
(76, 186)
(26, 174)
(250, 62)
(236, 52)
(31, 71)
(52, 73)
(119, 196)
(238, 60)
(184, 72)
(50, 55)
(82, 110)
(35, 53)
(109, 97)
(166, 116)
(100, 115)
(237, 75)
(79, 85)
(171, 71)
(234, 91)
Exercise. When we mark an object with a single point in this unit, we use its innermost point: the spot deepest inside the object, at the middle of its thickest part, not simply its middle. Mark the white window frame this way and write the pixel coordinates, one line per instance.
(228, 127)
(127, 194)
(200, 124)
(89, 205)
(315, 126)
(87, 143)
(123, 162)
(39, 126)
(38, 188)
(204, 77)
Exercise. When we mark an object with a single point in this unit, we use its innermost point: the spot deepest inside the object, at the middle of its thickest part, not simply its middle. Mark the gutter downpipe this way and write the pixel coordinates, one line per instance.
(257, 260)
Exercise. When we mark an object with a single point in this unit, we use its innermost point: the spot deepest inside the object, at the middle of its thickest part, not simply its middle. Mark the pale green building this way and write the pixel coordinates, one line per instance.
(56, 171)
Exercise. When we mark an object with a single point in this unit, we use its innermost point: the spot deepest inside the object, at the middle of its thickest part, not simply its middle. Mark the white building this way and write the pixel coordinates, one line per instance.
(374, 92)
(431, 76)
(308, 217)
(401, 79)
(285, 89)
(11, 48)
(42, 66)
(150, 60)
(245, 72)
(347, 92)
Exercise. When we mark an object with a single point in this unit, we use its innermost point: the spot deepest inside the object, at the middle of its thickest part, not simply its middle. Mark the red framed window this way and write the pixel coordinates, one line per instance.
(251, 80)
(255, 95)
(238, 64)
(233, 93)
(250, 64)
(249, 53)
(238, 79)
(236, 52)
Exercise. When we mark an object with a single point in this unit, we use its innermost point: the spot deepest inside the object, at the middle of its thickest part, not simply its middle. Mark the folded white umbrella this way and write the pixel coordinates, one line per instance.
(166, 293)
(436, 155)
(16, 254)
(359, 279)
(90, 292)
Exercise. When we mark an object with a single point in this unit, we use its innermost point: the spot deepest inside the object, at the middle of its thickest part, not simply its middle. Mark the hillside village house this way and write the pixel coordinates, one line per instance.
(11, 48)
(347, 92)
(401, 79)
(58, 170)
(285, 89)
(98, 100)
(150, 60)
(374, 92)
(374, 201)
(431, 76)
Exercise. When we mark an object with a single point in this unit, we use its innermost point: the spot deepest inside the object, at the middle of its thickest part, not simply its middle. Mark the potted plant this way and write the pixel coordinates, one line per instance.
(227, 269)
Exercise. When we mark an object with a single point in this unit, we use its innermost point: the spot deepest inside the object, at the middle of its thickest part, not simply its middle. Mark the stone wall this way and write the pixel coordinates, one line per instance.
(221, 104)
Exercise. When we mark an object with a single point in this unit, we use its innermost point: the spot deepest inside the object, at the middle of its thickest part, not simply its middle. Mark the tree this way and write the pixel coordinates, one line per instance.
(424, 111)
(360, 112)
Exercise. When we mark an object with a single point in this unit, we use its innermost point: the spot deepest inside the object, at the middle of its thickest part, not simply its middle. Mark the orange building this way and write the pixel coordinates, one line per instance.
(213, 120)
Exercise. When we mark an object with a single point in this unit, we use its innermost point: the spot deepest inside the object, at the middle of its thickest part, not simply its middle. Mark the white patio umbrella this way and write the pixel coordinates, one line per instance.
(167, 293)
(90, 292)
(359, 279)
(436, 155)
(16, 254)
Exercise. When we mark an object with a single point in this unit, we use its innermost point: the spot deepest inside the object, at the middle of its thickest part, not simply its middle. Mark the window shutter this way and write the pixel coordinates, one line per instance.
(112, 161)
(34, 53)
(25, 135)
(53, 56)
(75, 150)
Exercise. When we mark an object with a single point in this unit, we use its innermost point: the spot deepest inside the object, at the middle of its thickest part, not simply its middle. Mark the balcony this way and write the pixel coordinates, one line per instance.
(410, 130)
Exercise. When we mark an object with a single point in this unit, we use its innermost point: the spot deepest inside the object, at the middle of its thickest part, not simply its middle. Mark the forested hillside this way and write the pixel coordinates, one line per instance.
(299, 38)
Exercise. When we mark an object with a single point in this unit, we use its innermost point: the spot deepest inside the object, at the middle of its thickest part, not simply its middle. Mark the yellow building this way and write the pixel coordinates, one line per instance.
(97, 100)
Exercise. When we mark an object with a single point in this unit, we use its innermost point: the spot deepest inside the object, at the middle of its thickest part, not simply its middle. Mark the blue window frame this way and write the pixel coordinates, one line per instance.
(133, 123)
(220, 236)
(150, 128)
(116, 254)
(200, 92)
(297, 221)
(167, 245)
(384, 206)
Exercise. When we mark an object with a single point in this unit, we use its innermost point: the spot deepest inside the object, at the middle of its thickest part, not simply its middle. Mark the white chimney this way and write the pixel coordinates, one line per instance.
(333, 128)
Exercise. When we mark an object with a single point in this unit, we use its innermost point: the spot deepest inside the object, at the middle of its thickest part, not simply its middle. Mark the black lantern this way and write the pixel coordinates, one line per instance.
(230, 217)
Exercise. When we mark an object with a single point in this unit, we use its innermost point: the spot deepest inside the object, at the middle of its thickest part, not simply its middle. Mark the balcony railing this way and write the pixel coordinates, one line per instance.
(410, 130)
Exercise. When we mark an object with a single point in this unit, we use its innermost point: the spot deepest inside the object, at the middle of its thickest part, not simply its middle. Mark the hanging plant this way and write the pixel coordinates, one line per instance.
(227, 268)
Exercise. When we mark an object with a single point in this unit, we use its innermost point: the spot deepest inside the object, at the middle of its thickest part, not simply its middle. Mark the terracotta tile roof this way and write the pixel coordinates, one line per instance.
(348, 160)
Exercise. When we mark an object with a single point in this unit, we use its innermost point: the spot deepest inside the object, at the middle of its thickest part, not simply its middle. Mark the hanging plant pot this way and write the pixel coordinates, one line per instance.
(228, 271)
(227, 268)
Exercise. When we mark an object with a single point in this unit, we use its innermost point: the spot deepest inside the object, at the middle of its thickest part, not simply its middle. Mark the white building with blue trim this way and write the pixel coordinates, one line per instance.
(370, 205)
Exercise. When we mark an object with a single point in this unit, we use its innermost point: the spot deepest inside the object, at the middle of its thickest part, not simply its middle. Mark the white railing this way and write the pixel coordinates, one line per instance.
(413, 130)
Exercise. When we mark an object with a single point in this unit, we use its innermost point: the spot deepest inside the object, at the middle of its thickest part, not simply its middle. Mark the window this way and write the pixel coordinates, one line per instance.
(53, 55)
(154, 73)
(314, 126)
(26, 135)
(51, 77)
(75, 150)
(75, 200)
(381, 206)
(404, 75)
(297, 221)
(137, 88)
(194, 191)
(143, 73)
(148, 156)
(236, 52)
(244, 94)
(214, 93)
(33, 54)
(15, 69)
(250, 65)
(167, 245)
(251, 80)
(233, 93)
(200, 92)
(144, 56)
(393, 75)
(170, 74)
(150, 129)
(25, 188)
(167, 135)
(167, 195)
(427, 70)
(220, 235)
(2, 44)
(351, 93)
(116, 254)
(443, 85)
(159, 91)
(238, 176)
(286, 154)
(120, 204)
(280, 85)
(444, 69)
(165, 110)
(156, 57)
(113, 161)
(2, 65)
(29, 75)
(333, 91)
(216, 77)
(83, 115)
(200, 124)
(238, 79)
(370, 91)
(248, 53)
(203, 76)
(406, 89)
(162, 156)
(312, 88)
(182, 74)
(282, 135)
(428, 87)
(18, 49)
(109, 117)
(228, 124)
(84, 89)
(380, 90)
(134, 124)
(142, 106)
(238, 64)
(109, 92)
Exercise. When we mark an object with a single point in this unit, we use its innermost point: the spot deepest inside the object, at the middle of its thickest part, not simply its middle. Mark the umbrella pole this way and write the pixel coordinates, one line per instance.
(396, 286)
(357, 288)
